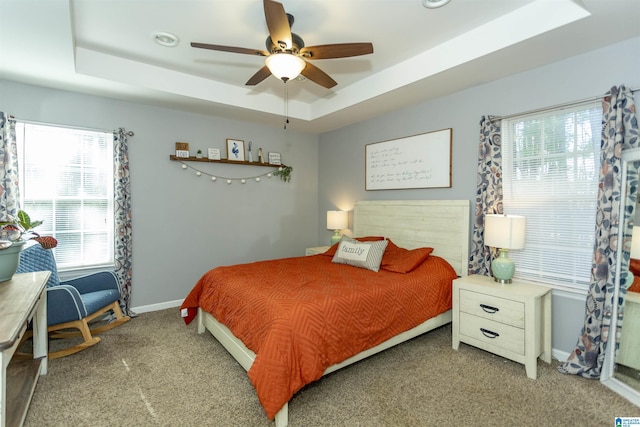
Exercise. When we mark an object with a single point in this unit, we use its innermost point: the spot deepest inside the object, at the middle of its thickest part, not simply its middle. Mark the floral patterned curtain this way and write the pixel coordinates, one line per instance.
(9, 191)
(122, 213)
(619, 132)
(488, 193)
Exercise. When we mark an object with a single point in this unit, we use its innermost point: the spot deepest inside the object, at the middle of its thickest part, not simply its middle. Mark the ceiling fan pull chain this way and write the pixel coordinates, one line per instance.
(286, 104)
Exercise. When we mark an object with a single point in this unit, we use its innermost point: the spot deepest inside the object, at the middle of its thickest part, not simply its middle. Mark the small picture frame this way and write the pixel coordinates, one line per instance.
(235, 150)
(182, 150)
(274, 159)
(213, 153)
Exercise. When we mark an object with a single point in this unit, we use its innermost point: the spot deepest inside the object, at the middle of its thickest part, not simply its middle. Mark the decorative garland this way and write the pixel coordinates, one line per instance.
(284, 172)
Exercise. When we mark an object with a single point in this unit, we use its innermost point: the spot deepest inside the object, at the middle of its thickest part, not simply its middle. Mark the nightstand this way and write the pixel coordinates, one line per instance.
(316, 250)
(512, 321)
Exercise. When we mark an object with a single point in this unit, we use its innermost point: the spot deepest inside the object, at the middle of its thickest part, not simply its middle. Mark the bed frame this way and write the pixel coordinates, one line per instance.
(440, 224)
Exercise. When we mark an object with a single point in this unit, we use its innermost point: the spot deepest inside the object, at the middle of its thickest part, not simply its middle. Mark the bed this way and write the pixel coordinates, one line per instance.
(414, 225)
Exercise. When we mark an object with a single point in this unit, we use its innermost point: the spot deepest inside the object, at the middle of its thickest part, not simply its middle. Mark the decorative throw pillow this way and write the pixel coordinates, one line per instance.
(332, 250)
(404, 260)
(360, 254)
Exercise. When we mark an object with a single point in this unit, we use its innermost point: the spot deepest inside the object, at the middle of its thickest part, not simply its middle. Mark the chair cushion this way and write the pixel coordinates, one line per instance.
(94, 301)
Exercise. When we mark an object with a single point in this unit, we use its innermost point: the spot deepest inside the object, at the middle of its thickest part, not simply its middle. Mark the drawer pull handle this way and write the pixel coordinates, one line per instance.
(489, 309)
(489, 334)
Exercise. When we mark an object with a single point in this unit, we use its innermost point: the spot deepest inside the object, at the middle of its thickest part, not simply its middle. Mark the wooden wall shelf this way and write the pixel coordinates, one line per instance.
(231, 162)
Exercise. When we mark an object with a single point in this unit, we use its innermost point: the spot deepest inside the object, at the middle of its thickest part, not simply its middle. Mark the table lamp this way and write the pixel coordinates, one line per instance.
(504, 232)
(337, 220)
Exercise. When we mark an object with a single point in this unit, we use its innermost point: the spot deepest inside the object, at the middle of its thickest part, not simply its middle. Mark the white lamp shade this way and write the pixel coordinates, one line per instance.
(337, 220)
(504, 231)
(635, 243)
(285, 65)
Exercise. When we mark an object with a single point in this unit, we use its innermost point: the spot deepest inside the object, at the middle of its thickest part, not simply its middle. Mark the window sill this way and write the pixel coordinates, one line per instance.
(560, 290)
(70, 274)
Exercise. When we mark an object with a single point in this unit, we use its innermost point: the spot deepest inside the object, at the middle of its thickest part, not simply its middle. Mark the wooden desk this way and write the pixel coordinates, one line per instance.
(23, 298)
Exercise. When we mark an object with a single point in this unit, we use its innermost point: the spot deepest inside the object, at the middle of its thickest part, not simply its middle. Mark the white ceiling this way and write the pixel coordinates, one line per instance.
(105, 47)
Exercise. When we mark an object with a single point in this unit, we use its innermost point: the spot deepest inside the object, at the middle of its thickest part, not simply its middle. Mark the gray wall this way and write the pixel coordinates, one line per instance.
(341, 152)
(184, 225)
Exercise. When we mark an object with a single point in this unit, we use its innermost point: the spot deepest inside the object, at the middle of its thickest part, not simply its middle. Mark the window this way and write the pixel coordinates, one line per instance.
(66, 179)
(550, 175)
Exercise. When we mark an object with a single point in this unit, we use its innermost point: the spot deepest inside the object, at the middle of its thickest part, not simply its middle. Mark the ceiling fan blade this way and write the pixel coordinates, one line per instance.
(262, 74)
(318, 76)
(278, 23)
(231, 49)
(340, 50)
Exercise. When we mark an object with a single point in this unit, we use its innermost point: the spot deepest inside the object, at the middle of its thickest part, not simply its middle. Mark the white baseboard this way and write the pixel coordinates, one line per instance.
(560, 355)
(157, 307)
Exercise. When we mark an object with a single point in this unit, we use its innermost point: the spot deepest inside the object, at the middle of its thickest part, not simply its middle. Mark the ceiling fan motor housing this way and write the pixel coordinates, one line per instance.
(296, 44)
(296, 41)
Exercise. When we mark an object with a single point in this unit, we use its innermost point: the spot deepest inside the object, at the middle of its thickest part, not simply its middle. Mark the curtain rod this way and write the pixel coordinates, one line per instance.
(33, 122)
(553, 107)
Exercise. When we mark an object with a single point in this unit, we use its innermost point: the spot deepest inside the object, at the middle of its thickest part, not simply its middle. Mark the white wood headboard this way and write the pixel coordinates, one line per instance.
(440, 224)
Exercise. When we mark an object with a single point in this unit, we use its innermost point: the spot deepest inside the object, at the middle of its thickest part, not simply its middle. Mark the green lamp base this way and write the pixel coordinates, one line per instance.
(336, 237)
(502, 267)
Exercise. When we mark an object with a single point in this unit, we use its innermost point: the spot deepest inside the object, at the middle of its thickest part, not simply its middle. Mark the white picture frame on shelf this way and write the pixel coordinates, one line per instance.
(235, 150)
(274, 159)
(213, 153)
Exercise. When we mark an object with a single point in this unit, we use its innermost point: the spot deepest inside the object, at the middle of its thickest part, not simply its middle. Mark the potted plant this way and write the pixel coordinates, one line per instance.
(284, 172)
(14, 233)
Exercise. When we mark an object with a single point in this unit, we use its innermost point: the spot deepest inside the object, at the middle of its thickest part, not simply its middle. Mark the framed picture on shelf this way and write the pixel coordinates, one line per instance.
(182, 150)
(235, 150)
(213, 153)
(274, 159)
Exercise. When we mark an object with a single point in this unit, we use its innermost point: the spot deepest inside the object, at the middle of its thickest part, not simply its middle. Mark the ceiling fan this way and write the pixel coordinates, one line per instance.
(286, 54)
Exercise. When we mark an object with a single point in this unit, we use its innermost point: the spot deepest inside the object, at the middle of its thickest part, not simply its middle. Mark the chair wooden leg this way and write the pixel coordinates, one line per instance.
(20, 354)
(54, 332)
(120, 319)
(83, 327)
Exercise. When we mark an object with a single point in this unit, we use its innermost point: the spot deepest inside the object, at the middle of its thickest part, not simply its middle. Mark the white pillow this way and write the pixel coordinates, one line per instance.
(360, 254)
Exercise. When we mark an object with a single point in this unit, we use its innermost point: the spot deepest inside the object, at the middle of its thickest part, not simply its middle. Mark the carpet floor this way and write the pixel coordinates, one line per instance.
(155, 371)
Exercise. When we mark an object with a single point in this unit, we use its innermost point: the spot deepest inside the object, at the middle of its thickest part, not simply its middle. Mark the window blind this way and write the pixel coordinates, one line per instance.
(550, 175)
(66, 179)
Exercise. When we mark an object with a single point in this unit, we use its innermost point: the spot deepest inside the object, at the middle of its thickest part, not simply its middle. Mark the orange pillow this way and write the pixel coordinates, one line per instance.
(392, 247)
(404, 260)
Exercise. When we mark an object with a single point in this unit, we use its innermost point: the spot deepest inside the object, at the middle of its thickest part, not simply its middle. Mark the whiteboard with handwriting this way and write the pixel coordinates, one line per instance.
(418, 161)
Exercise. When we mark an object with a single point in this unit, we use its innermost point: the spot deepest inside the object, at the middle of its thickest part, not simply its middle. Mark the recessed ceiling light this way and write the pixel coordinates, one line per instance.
(433, 4)
(166, 39)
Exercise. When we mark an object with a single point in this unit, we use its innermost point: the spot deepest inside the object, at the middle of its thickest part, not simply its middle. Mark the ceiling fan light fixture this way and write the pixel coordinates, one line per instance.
(434, 4)
(166, 39)
(285, 66)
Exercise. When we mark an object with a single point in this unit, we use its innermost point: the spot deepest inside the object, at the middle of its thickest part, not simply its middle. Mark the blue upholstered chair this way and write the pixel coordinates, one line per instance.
(74, 303)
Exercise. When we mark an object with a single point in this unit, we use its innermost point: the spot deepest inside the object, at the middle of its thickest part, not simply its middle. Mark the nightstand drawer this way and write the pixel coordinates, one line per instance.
(493, 308)
(492, 333)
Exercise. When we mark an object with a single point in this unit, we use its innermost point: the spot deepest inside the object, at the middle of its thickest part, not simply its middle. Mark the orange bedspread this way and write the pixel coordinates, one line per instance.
(301, 315)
